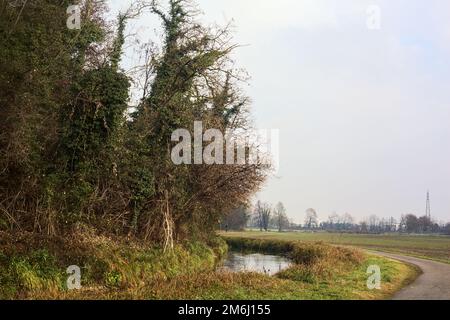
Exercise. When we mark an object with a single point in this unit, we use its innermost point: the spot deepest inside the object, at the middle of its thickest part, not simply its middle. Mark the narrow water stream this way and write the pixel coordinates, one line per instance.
(261, 263)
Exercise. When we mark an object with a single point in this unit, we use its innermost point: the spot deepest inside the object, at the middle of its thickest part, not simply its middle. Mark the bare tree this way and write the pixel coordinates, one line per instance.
(280, 216)
(258, 214)
(373, 222)
(402, 224)
(311, 220)
(263, 212)
(333, 220)
(347, 220)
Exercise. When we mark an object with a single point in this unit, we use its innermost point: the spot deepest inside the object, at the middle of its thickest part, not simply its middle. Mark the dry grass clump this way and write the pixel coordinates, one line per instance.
(315, 262)
(313, 253)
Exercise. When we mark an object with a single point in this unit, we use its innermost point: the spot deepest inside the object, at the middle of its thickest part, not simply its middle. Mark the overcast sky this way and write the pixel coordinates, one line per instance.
(364, 115)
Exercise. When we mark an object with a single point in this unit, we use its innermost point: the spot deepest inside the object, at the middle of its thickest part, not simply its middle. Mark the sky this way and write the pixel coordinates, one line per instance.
(362, 105)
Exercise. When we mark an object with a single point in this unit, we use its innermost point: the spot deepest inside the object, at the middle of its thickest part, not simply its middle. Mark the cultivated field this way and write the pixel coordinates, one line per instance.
(430, 247)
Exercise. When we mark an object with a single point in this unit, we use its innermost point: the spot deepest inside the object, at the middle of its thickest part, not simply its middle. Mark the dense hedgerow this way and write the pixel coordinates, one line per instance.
(72, 147)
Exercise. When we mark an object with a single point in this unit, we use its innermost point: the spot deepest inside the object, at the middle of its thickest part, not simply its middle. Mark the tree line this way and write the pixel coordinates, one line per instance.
(74, 151)
(408, 223)
(265, 217)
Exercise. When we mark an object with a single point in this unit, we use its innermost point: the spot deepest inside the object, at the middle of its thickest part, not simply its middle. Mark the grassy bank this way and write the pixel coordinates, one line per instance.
(428, 247)
(349, 285)
(320, 272)
(35, 268)
(124, 269)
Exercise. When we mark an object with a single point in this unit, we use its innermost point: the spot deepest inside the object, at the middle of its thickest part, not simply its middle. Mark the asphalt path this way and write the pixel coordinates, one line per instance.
(432, 284)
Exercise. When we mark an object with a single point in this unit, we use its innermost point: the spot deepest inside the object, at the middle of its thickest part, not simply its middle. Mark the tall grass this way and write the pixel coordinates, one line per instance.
(107, 264)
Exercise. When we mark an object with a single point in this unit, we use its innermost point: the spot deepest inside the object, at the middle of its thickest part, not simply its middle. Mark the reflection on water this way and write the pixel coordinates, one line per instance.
(261, 263)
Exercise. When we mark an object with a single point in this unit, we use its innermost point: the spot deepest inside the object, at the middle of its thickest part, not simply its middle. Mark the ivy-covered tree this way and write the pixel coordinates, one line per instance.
(61, 111)
(193, 81)
(37, 58)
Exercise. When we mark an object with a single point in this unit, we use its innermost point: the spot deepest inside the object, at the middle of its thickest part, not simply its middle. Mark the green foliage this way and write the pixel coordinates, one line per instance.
(113, 279)
(94, 119)
(219, 246)
(70, 153)
(33, 273)
(191, 82)
(61, 115)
